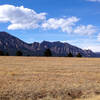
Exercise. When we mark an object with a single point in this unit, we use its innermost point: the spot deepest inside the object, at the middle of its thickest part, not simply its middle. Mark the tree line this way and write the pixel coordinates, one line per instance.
(47, 53)
(18, 53)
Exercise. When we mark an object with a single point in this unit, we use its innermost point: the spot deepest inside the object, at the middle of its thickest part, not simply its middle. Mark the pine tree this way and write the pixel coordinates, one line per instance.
(70, 54)
(78, 55)
(7, 54)
(19, 53)
(47, 53)
(1, 53)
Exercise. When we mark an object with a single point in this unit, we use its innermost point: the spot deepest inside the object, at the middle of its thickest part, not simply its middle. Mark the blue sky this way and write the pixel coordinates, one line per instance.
(74, 21)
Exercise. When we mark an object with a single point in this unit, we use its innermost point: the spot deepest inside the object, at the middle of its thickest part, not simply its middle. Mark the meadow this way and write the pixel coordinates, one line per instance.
(49, 78)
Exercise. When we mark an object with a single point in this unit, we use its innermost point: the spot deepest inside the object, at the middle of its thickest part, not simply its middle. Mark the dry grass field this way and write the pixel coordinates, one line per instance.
(41, 78)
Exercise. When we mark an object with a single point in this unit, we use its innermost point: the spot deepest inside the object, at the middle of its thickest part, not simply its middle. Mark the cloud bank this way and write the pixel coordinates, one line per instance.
(64, 24)
(85, 30)
(20, 17)
(94, 0)
(25, 18)
(98, 37)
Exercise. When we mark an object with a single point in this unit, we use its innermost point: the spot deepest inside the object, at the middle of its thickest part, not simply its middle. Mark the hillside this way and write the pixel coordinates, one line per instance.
(11, 44)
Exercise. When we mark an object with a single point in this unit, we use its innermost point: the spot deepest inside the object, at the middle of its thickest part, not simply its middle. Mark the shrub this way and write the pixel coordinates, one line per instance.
(1, 53)
(70, 54)
(78, 55)
(7, 54)
(47, 53)
(19, 53)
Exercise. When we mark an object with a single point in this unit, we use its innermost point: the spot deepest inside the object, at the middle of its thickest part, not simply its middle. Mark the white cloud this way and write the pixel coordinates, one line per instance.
(95, 48)
(85, 30)
(69, 25)
(65, 24)
(94, 0)
(25, 18)
(20, 17)
(98, 37)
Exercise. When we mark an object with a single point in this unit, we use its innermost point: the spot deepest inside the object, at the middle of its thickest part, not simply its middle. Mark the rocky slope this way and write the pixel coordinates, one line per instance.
(11, 44)
(60, 49)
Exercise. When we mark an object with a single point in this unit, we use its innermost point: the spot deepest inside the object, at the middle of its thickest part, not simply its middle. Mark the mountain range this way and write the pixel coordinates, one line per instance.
(11, 44)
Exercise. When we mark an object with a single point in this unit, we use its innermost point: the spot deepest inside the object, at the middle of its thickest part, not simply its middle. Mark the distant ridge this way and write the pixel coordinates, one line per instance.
(11, 44)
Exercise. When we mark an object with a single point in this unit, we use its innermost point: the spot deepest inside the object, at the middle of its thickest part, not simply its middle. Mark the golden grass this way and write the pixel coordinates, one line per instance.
(93, 98)
(41, 78)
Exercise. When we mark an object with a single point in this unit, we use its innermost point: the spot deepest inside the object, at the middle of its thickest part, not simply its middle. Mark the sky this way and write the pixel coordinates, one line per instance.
(74, 21)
